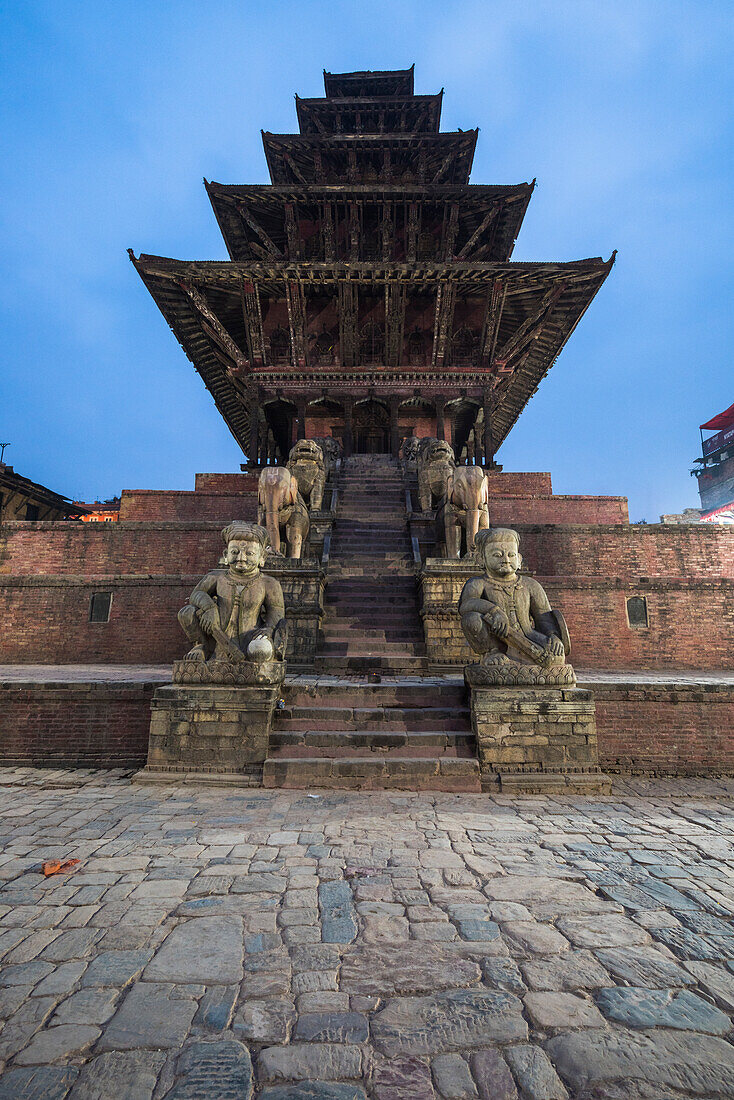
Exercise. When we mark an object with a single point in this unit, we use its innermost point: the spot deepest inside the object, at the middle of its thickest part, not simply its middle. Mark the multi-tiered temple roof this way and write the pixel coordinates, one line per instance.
(370, 292)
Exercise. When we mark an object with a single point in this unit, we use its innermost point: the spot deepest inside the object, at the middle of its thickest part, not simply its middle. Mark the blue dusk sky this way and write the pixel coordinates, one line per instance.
(112, 113)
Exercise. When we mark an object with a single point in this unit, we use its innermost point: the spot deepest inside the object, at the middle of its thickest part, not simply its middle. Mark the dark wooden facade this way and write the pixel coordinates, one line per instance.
(370, 292)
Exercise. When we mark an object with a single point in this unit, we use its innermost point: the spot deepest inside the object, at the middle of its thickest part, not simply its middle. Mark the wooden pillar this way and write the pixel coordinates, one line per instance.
(394, 431)
(254, 441)
(440, 429)
(348, 426)
(488, 441)
(301, 407)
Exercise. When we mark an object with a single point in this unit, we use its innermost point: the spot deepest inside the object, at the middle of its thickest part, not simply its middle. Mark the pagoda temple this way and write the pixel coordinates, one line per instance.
(370, 293)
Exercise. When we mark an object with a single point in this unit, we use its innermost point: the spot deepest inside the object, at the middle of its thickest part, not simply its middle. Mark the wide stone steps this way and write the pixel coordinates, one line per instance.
(413, 695)
(394, 719)
(370, 647)
(424, 743)
(403, 734)
(365, 664)
(374, 773)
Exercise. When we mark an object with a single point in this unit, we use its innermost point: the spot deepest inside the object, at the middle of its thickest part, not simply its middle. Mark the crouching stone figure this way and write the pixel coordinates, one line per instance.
(236, 613)
(507, 619)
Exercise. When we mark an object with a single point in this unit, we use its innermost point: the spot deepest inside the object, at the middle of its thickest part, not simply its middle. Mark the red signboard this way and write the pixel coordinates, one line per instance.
(718, 442)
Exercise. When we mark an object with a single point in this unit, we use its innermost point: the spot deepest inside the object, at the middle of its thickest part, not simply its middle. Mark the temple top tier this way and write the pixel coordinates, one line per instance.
(385, 82)
(370, 103)
(370, 129)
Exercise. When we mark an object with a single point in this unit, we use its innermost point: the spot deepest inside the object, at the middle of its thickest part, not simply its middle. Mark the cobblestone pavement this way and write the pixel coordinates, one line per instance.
(219, 943)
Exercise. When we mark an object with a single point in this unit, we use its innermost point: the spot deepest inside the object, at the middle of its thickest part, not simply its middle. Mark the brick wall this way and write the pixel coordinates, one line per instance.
(677, 730)
(629, 552)
(512, 484)
(88, 549)
(46, 619)
(226, 483)
(690, 622)
(154, 504)
(671, 730)
(83, 725)
(515, 511)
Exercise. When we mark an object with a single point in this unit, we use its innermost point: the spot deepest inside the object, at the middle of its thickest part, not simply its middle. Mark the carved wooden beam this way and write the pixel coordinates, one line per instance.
(294, 168)
(444, 167)
(411, 244)
(348, 306)
(486, 222)
(452, 232)
(443, 323)
(252, 314)
(387, 232)
(213, 327)
(354, 233)
(394, 322)
(329, 235)
(255, 226)
(529, 330)
(291, 232)
(492, 317)
(296, 304)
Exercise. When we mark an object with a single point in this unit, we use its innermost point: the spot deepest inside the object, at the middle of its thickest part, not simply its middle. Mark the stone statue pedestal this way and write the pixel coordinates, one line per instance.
(534, 739)
(216, 730)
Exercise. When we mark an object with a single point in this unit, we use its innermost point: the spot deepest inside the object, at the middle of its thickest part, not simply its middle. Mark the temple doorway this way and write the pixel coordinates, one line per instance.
(371, 428)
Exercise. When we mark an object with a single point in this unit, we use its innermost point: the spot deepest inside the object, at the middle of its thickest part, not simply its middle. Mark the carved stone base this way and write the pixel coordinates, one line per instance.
(536, 739)
(231, 672)
(513, 674)
(223, 732)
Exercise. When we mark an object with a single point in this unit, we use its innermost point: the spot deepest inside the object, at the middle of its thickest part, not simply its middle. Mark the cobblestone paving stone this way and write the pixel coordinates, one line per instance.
(219, 943)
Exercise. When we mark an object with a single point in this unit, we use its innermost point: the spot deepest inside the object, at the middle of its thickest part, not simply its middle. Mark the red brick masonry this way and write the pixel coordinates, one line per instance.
(650, 727)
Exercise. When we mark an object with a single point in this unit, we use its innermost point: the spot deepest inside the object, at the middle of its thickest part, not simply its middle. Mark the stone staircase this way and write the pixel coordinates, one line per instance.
(371, 615)
(372, 716)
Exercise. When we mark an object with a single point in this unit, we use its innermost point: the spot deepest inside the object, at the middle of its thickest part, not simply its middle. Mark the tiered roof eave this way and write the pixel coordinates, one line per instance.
(540, 305)
(444, 157)
(253, 216)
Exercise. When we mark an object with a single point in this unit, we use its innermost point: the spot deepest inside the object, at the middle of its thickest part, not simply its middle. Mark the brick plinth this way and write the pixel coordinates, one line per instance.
(642, 727)
(75, 725)
(666, 729)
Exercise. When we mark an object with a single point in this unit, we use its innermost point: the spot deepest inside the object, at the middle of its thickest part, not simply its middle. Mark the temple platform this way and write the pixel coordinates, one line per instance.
(339, 730)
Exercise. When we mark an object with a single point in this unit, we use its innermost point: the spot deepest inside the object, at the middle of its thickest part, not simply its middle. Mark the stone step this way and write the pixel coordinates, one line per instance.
(397, 719)
(344, 632)
(342, 627)
(412, 695)
(408, 742)
(336, 664)
(373, 773)
(369, 647)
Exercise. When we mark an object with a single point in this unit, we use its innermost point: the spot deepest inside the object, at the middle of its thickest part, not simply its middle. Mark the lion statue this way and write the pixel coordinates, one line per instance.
(306, 464)
(435, 464)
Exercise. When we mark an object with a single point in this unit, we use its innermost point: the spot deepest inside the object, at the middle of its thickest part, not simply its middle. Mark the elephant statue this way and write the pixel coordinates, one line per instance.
(331, 449)
(306, 463)
(280, 507)
(409, 454)
(435, 463)
(465, 507)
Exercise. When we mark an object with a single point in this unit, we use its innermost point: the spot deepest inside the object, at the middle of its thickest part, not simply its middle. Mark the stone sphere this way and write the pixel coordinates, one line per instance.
(260, 649)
